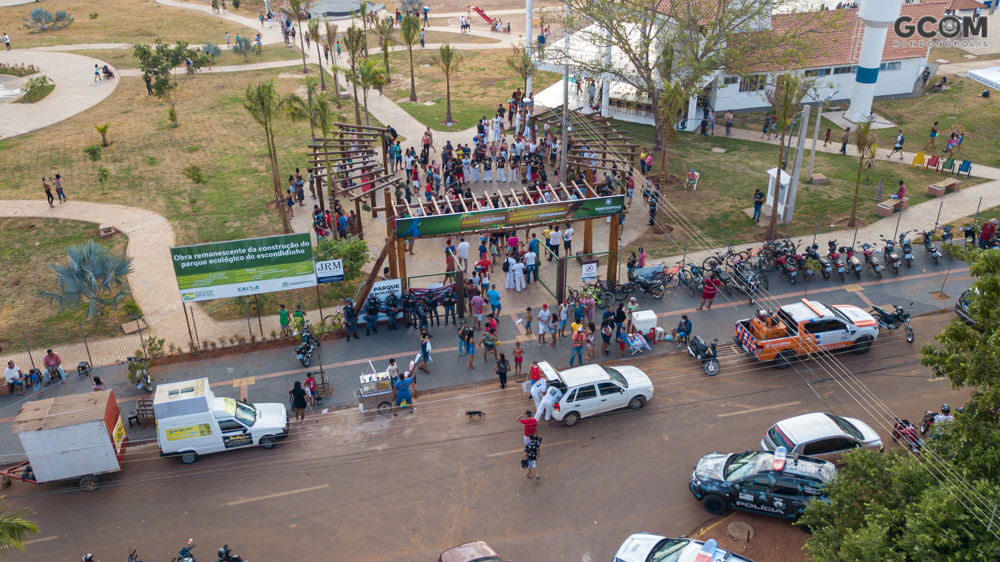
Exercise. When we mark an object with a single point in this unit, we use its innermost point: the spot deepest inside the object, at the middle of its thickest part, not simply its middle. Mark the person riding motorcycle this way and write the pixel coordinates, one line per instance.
(371, 315)
(350, 319)
(945, 414)
(391, 308)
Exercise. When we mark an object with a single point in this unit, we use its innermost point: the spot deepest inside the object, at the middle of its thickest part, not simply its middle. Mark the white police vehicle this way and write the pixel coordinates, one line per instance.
(646, 547)
(776, 484)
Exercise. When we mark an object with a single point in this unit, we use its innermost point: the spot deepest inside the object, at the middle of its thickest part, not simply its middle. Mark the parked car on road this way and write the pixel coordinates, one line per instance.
(476, 551)
(647, 547)
(821, 435)
(594, 389)
(962, 306)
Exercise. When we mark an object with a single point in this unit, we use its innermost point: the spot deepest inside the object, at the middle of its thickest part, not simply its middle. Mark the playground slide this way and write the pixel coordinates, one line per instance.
(482, 14)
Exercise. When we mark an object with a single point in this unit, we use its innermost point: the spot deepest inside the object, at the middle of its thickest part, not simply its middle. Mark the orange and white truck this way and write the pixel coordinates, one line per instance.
(797, 330)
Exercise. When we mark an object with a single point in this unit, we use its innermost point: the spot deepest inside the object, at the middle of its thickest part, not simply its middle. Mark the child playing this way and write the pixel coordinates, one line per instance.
(311, 388)
(527, 322)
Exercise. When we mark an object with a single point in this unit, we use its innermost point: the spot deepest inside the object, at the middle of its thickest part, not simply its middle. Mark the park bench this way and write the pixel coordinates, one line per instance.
(887, 208)
(938, 189)
(143, 414)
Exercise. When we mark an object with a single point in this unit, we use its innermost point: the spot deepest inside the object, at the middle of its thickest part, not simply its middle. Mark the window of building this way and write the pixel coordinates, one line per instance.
(890, 66)
(729, 80)
(753, 82)
(844, 70)
(817, 72)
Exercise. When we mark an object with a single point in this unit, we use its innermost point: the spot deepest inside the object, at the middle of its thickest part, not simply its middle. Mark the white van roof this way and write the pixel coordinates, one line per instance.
(182, 398)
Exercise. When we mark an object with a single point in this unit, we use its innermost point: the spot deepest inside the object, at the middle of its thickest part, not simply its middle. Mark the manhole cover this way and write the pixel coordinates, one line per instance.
(740, 531)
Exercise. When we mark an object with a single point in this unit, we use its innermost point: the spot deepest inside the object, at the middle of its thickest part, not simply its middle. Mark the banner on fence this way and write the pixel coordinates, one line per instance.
(498, 219)
(381, 290)
(247, 267)
(330, 271)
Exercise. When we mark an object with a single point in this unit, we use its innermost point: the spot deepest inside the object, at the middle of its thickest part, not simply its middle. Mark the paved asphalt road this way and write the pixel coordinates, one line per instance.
(407, 487)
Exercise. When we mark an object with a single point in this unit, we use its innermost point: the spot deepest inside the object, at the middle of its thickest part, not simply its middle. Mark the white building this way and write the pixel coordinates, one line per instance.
(833, 66)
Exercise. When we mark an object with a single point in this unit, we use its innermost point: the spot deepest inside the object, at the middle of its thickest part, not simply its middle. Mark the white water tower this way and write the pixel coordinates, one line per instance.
(878, 16)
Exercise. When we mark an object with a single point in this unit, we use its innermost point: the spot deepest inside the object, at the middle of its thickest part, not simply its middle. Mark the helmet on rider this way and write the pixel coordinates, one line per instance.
(945, 409)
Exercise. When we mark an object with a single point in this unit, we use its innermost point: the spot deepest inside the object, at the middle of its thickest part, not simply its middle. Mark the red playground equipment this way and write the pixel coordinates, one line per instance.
(483, 15)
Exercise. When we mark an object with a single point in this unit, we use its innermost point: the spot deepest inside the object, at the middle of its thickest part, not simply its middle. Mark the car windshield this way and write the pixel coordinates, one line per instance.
(740, 465)
(846, 426)
(841, 315)
(486, 559)
(780, 439)
(668, 550)
(246, 413)
(616, 376)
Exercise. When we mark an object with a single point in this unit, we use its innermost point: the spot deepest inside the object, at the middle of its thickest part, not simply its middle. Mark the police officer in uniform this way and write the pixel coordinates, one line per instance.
(371, 315)
(420, 311)
(408, 309)
(350, 319)
(450, 298)
(433, 300)
(391, 308)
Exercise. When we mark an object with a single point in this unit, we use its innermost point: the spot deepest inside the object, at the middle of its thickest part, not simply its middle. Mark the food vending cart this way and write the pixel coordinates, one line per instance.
(375, 394)
(68, 438)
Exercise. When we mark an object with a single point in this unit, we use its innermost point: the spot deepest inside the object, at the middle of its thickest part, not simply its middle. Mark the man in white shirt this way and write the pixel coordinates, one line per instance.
(14, 376)
(462, 251)
(547, 404)
(518, 269)
(568, 238)
(529, 266)
(497, 128)
(555, 240)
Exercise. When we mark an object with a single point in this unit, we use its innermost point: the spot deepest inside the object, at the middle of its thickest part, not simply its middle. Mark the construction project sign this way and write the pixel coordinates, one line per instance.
(499, 219)
(244, 267)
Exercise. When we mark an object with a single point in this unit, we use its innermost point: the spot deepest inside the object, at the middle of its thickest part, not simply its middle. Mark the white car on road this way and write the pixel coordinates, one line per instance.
(594, 389)
(646, 547)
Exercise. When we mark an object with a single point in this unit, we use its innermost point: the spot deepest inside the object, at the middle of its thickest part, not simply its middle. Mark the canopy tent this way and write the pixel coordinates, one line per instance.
(987, 76)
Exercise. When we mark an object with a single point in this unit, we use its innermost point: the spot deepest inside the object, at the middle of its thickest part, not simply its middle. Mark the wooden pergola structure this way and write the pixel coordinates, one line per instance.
(595, 144)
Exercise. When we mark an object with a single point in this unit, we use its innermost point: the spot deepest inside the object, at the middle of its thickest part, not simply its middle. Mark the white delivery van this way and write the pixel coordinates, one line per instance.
(191, 421)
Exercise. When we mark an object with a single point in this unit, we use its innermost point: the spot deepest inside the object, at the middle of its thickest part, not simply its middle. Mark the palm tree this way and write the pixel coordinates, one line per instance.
(520, 61)
(266, 105)
(864, 140)
(785, 99)
(384, 30)
(325, 118)
(354, 41)
(331, 44)
(94, 274)
(367, 75)
(448, 60)
(411, 6)
(103, 129)
(317, 39)
(14, 530)
(672, 99)
(362, 13)
(410, 32)
(299, 109)
(293, 10)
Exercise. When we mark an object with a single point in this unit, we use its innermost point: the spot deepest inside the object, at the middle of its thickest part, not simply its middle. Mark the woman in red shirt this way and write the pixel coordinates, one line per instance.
(708, 293)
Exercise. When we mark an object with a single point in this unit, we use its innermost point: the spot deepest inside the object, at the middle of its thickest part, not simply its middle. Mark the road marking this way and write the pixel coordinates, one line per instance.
(52, 538)
(516, 451)
(853, 287)
(303, 490)
(752, 410)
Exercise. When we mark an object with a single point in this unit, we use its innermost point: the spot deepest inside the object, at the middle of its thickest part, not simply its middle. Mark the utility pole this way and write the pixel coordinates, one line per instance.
(564, 147)
(819, 118)
(528, 32)
(793, 183)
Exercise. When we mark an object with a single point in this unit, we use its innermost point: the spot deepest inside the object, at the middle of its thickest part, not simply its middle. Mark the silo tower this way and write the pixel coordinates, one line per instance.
(877, 16)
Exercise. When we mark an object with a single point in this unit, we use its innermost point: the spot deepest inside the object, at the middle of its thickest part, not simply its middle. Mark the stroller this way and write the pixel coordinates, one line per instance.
(108, 73)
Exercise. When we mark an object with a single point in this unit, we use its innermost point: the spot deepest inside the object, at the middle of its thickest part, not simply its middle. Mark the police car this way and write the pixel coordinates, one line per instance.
(646, 547)
(776, 484)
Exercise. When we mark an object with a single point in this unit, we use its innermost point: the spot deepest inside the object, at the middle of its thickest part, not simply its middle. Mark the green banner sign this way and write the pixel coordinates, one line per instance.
(498, 219)
(244, 267)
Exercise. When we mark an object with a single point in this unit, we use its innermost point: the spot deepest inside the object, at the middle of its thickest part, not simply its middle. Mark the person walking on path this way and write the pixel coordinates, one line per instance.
(97, 73)
(6, 41)
(500, 370)
(933, 135)
(767, 128)
(898, 146)
(530, 460)
(729, 123)
(494, 297)
(489, 343)
(530, 425)
(470, 346)
(401, 386)
(758, 202)
(310, 384)
(563, 318)
(553, 329)
(48, 192)
(425, 352)
(826, 136)
(299, 402)
(579, 339)
(844, 139)
(606, 333)
(543, 324)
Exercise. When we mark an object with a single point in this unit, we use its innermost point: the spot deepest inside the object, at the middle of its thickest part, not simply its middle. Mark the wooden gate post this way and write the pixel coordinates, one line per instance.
(612, 276)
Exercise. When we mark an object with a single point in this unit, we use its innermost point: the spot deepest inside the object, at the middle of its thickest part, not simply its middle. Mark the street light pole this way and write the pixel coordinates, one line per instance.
(565, 114)
(819, 117)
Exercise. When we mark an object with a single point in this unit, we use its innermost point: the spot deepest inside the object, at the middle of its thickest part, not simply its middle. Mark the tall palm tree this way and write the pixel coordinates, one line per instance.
(865, 142)
(785, 99)
(331, 44)
(367, 75)
(318, 39)
(266, 105)
(448, 60)
(354, 41)
(293, 9)
(14, 530)
(326, 116)
(362, 13)
(306, 109)
(384, 30)
(410, 32)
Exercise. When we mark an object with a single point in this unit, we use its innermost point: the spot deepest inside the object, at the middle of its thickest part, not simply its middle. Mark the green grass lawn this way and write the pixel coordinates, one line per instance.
(122, 58)
(483, 81)
(728, 181)
(30, 246)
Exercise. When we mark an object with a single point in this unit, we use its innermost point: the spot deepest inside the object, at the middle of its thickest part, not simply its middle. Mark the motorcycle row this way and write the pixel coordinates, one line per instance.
(185, 555)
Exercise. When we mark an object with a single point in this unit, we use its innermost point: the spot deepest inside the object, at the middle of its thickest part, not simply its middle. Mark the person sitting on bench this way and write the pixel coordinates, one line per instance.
(682, 331)
(901, 193)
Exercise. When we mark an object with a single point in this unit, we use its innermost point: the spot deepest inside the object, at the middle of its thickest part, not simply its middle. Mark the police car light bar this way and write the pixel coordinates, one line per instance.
(707, 551)
(780, 454)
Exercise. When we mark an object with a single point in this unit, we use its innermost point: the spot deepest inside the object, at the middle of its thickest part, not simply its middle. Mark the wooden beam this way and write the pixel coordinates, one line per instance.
(390, 232)
(612, 276)
(373, 275)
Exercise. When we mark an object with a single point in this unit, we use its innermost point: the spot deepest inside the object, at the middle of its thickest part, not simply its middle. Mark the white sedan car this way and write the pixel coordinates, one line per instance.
(593, 389)
(645, 547)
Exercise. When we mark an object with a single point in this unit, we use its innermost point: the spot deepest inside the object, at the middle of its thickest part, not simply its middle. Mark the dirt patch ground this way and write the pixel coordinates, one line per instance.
(773, 540)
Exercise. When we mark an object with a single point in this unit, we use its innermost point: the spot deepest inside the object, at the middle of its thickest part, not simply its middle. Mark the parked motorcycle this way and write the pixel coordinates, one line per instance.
(132, 557)
(826, 266)
(653, 287)
(787, 266)
(907, 246)
(707, 354)
(226, 555)
(853, 262)
(871, 260)
(803, 267)
(905, 431)
(971, 235)
(185, 554)
(746, 279)
(307, 346)
(835, 257)
(894, 320)
(693, 279)
(932, 250)
(946, 235)
(140, 367)
(891, 257)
